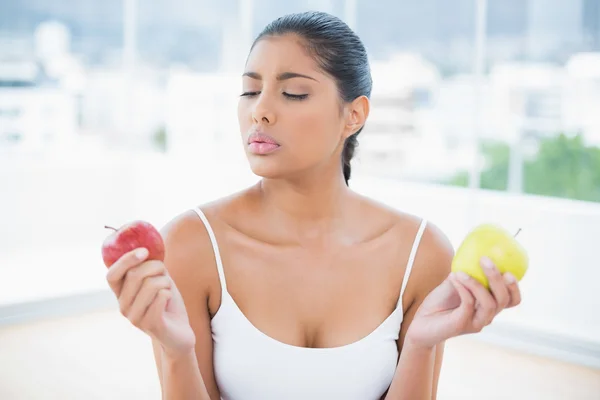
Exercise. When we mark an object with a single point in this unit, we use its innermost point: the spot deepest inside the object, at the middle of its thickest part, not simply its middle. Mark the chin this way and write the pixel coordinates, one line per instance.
(266, 167)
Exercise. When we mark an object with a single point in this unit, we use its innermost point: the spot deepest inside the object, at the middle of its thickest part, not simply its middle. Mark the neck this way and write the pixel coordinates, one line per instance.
(307, 207)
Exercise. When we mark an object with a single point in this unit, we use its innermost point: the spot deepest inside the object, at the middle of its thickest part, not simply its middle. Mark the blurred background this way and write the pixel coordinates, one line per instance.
(115, 110)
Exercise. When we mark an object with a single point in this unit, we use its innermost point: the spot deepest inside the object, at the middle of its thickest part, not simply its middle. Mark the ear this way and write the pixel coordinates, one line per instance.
(357, 113)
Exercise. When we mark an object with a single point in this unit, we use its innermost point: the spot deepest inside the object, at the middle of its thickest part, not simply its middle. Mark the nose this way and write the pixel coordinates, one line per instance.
(263, 111)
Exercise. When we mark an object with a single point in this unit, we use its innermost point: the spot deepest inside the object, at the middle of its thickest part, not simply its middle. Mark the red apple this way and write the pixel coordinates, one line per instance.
(132, 236)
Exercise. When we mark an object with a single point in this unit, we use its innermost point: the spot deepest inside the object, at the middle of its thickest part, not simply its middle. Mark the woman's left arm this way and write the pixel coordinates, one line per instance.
(445, 306)
(418, 369)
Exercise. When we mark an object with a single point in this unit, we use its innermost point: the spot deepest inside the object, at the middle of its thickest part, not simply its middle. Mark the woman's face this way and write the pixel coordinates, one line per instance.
(290, 113)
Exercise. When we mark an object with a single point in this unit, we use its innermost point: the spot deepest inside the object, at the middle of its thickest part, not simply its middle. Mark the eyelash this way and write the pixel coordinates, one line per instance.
(288, 95)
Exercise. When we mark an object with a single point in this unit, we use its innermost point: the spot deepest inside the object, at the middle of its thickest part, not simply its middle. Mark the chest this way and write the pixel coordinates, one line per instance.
(316, 297)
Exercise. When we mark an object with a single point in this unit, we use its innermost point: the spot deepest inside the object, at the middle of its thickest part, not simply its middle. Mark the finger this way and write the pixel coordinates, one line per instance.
(486, 304)
(153, 317)
(513, 289)
(133, 280)
(463, 314)
(146, 296)
(118, 270)
(497, 284)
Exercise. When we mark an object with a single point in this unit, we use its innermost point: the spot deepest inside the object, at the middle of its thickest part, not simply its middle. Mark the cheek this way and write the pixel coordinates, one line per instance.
(316, 128)
(243, 116)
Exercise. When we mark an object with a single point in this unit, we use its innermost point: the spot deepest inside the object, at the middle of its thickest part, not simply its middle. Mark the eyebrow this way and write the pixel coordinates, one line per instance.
(281, 77)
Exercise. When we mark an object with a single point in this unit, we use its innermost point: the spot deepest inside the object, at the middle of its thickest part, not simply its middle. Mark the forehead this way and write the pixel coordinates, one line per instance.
(281, 53)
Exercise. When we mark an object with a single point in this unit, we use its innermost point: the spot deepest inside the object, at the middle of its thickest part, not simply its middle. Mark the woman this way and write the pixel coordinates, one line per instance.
(297, 287)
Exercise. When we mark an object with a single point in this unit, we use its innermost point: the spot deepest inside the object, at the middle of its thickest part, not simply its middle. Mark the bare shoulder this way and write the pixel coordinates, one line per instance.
(187, 238)
(432, 263)
(189, 254)
(384, 219)
(434, 254)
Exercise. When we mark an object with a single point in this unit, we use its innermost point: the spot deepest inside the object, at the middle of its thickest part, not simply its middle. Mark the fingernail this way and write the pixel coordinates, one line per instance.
(141, 253)
(462, 276)
(487, 264)
(509, 278)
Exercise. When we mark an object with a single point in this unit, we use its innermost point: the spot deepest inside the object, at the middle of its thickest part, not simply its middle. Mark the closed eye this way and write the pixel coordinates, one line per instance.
(295, 96)
(288, 95)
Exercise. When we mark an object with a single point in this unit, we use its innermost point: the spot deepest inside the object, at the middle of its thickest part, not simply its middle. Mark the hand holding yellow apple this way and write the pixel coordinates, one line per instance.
(496, 243)
(469, 299)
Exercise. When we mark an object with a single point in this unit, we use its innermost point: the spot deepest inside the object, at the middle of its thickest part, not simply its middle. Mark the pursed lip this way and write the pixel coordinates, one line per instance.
(261, 137)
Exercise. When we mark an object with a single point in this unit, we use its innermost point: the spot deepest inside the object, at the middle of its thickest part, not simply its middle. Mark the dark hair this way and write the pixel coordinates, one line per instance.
(338, 51)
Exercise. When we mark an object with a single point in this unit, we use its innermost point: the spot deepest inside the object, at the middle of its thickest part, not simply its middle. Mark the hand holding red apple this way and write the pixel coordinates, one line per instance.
(129, 237)
(147, 295)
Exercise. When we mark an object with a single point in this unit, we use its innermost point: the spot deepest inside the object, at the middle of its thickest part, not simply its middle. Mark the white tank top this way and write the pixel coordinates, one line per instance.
(249, 365)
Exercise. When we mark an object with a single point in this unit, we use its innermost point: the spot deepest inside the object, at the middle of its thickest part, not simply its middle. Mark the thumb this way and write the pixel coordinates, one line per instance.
(154, 315)
(466, 308)
(446, 289)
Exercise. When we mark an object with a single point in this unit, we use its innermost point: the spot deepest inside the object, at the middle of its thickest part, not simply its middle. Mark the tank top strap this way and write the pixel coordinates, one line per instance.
(215, 246)
(411, 260)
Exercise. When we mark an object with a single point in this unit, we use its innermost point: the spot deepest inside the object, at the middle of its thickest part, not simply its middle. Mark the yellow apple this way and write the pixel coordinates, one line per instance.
(497, 244)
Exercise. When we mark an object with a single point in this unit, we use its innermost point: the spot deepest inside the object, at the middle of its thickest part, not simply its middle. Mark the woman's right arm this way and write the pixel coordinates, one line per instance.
(169, 300)
(190, 262)
(180, 376)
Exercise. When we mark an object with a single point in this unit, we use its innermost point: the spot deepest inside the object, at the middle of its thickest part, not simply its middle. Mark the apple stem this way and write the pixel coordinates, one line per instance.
(517, 232)
(110, 227)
